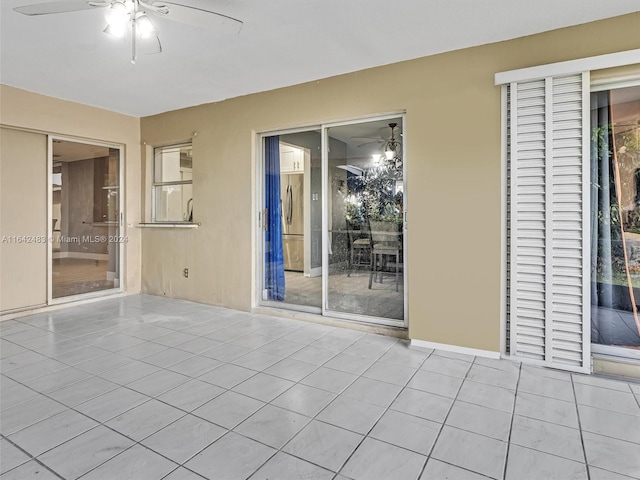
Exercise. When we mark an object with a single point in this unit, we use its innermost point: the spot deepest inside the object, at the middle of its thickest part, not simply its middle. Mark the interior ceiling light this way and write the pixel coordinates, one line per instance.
(131, 15)
(392, 150)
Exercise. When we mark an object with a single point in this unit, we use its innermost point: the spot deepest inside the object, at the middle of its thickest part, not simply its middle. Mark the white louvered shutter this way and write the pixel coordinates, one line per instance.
(548, 164)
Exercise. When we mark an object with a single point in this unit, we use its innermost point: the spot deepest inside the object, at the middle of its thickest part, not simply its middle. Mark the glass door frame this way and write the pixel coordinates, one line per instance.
(259, 190)
(597, 348)
(121, 222)
(354, 317)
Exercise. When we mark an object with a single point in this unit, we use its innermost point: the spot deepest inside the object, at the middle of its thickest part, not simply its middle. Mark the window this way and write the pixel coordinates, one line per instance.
(172, 184)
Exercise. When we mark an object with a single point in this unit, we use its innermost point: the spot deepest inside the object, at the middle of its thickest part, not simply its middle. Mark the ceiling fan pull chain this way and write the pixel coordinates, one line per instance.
(133, 40)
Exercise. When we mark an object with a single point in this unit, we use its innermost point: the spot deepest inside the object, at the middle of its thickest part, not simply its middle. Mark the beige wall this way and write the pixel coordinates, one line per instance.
(23, 202)
(37, 113)
(452, 137)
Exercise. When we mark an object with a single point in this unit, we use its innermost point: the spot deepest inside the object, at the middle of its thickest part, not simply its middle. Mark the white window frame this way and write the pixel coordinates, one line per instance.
(155, 184)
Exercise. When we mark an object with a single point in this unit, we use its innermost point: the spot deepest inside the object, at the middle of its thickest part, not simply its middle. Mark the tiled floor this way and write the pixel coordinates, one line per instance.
(149, 388)
(349, 293)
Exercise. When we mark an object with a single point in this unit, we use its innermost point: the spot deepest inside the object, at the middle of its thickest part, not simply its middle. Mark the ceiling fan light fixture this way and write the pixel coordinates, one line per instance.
(117, 13)
(117, 20)
(144, 27)
(115, 30)
(376, 158)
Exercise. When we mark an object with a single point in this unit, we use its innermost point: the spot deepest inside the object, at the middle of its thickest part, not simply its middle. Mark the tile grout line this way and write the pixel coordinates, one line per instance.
(513, 416)
(577, 410)
(31, 458)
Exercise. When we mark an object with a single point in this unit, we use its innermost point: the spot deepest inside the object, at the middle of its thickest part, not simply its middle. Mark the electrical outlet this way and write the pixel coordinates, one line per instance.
(185, 272)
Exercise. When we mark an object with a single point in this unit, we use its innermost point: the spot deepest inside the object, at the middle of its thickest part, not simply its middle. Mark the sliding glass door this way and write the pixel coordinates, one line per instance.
(365, 219)
(85, 218)
(333, 221)
(292, 227)
(615, 221)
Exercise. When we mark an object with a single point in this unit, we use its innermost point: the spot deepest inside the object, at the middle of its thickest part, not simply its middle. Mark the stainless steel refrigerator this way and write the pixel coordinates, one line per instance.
(292, 193)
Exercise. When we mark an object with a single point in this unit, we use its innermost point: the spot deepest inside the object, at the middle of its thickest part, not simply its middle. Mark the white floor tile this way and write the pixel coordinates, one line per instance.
(263, 387)
(612, 454)
(184, 438)
(289, 369)
(423, 404)
(406, 431)
(31, 469)
(324, 445)
(85, 452)
(431, 382)
(354, 415)
(375, 460)
(548, 438)
(145, 419)
(11, 456)
(527, 464)
(283, 466)
(611, 424)
(53, 431)
(482, 420)
(437, 470)
(390, 373)
(304, 400)
(547, 409)
(25, 414)
(607, 399)
(227, 375)
(228, 409)
(272, 426)
(328, 379)
(111, 404)
(191, 395)
(446, 366)
(231, 457)
(471, 451)
(137, 463)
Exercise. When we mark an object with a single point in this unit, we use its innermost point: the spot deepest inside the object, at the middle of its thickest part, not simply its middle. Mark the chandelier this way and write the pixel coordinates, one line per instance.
(392, 150)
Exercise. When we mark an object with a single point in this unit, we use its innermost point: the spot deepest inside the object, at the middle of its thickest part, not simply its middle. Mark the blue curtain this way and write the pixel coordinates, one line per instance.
(274, 258)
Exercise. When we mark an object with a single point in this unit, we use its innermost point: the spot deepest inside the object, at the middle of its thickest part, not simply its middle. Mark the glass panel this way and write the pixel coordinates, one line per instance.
(173, 164)
(615, 217)
(174, 203)
(85, 217)
(365, 184)
(293, 237)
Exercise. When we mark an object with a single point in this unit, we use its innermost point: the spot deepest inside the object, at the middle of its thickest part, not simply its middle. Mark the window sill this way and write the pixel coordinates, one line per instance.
(169, 225)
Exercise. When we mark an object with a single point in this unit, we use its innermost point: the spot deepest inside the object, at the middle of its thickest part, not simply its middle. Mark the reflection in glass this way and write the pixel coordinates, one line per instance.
(365, 180)
(293, 218)
(615, 217)
(85, 218)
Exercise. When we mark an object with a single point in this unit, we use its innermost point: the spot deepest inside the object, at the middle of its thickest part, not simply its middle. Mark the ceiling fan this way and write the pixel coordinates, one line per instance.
(123, 15)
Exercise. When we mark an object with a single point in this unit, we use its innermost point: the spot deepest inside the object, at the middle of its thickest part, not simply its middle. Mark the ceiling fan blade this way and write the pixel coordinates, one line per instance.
(198, 17)
(61, 6)
(149, 46)
(369, 143)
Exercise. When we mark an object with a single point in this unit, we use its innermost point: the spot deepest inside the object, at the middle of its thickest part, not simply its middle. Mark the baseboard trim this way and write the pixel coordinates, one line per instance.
(455, 349)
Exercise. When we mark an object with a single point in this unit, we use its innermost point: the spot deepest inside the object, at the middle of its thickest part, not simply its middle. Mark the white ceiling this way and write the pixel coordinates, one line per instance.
(283, 42)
